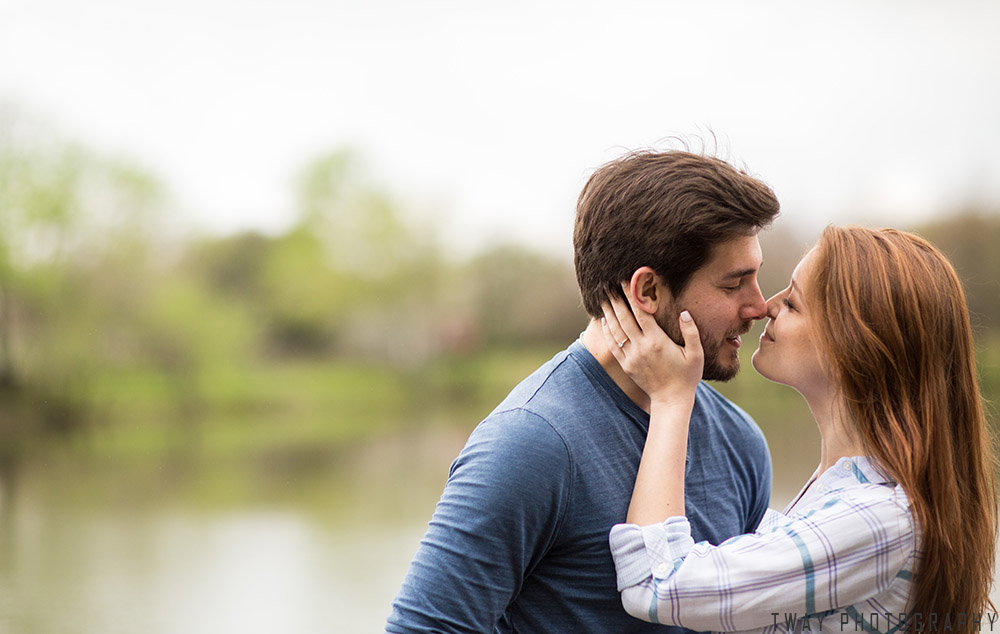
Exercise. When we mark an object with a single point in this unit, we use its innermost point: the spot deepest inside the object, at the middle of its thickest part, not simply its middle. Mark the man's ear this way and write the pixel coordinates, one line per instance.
(648, 289)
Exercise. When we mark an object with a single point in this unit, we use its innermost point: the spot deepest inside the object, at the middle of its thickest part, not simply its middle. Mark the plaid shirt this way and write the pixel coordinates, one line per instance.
(839, 559)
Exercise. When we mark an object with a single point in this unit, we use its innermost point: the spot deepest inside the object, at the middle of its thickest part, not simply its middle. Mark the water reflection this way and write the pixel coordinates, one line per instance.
(80, 552)
(69, 564)
(247, 572)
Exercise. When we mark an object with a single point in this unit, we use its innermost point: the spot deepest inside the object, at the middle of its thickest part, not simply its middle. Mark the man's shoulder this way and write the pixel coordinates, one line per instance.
(524, 435)
(557, 405)
(710, 403)
(719, 423)
(557, 386)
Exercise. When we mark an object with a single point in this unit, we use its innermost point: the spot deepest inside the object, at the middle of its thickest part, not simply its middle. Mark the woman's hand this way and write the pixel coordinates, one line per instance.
(668, 373)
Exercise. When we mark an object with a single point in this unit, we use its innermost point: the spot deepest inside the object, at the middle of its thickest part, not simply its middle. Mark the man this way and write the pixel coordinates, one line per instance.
(519, 539)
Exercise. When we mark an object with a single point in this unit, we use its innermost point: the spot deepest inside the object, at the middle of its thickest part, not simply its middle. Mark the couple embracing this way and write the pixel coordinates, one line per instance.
(614, 491)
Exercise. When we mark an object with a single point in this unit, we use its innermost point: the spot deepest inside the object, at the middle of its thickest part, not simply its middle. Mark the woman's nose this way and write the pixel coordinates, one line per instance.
(772, 305)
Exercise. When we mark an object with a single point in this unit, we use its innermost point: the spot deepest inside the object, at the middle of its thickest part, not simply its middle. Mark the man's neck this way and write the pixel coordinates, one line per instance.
(593, 340)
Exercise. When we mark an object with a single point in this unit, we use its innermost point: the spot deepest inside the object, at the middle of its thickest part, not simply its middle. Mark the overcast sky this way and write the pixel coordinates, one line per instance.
(489, 116)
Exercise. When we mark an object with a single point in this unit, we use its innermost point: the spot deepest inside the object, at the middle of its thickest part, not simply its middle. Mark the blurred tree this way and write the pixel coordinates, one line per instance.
(385, 284)
(970, 239)
(303, 299)
(231, 265)
(522, 296)
(782, 248)
(360, 226)
(75, 237)
(38, 212)
(251, 271)
(192, 336)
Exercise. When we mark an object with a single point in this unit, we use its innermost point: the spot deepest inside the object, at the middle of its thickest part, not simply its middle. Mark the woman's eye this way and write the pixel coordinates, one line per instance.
(788, 304)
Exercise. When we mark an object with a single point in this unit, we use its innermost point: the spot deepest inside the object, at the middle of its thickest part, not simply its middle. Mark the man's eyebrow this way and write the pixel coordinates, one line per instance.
(738, 274)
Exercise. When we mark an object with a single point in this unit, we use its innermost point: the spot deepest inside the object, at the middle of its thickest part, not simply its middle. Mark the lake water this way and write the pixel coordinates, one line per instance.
(246, 572)
(82, 553)
(113, 550)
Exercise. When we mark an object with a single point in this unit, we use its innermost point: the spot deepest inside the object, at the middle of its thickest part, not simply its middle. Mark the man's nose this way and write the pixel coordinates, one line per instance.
(756, 308)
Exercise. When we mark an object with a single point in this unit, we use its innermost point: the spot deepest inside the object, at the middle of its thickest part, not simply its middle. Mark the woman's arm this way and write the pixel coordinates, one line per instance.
(659, 484)
(669, 374)
(845, 551)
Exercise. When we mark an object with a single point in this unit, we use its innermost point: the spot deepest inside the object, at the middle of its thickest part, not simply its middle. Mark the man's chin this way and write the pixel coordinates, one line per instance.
(716, 371)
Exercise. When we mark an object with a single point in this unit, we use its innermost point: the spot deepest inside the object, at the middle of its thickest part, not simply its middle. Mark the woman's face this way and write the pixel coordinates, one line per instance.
(788, 352)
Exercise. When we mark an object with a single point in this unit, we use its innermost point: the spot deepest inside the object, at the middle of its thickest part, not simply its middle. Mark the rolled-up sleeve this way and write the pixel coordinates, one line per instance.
(840, 553)
(645, 552)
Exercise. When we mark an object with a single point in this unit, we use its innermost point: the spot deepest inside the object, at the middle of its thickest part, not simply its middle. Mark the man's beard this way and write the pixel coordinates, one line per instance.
(715, 369)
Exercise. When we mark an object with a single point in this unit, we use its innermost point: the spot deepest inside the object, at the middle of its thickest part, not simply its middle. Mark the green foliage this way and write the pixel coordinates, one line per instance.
(284, 284)
(65, 215)
(304, 299)
(971, 240)
(250, 411)
(523, 296)
(267, 347)
(358, 223)
(782, 249)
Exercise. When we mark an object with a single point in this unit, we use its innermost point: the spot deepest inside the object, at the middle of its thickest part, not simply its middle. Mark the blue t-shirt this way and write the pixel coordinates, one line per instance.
(519, 540)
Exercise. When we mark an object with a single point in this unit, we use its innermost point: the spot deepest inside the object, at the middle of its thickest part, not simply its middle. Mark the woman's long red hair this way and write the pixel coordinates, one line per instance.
(892, 319)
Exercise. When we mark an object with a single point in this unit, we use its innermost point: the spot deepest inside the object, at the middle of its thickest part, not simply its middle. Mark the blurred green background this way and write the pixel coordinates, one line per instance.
(194, 427)
(264, 265)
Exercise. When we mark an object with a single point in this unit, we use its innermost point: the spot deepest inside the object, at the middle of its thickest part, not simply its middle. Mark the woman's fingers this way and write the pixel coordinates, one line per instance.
(635, 310)
(621, 325)
(644, 321)
(613, 335)
(658, 366)
(625, 318)
(612, 322)
(692, 341)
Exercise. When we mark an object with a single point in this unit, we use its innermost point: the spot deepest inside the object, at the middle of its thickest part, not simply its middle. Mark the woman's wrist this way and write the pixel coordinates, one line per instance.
(681, 401)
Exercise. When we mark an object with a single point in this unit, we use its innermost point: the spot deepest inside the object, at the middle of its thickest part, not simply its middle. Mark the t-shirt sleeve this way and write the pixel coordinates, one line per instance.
(499, 513)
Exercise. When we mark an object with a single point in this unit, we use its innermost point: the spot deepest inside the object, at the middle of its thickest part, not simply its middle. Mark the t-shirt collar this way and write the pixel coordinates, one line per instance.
(593, 369)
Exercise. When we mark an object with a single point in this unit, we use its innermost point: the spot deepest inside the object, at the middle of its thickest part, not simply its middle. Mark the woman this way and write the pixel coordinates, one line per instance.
(897, 527)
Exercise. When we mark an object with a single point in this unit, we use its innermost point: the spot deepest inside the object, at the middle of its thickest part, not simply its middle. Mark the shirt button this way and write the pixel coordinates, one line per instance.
(662, 569)
(847, 465)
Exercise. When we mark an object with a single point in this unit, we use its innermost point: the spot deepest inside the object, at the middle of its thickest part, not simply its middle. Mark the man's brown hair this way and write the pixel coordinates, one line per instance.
(662, 209)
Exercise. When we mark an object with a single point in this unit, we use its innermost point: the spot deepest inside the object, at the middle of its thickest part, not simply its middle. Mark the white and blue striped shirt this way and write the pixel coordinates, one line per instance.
(840, 559)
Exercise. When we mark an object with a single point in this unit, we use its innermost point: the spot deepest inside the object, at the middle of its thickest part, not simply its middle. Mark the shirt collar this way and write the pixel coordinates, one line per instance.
(599, 377)
(852, 470)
